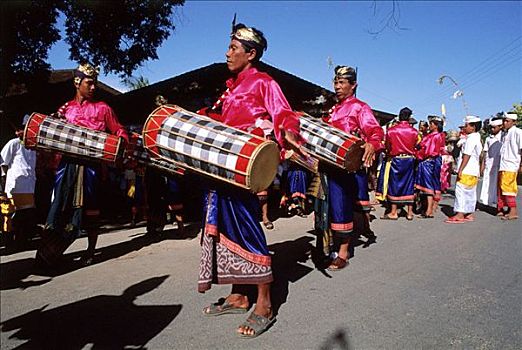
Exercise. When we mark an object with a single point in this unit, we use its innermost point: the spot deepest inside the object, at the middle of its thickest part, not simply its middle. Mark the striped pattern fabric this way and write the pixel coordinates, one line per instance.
(210, 148)
(326, 142)
(44, 132)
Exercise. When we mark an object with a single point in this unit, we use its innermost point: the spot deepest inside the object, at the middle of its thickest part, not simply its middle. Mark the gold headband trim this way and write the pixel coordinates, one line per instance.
(89, 70)
(247, 34)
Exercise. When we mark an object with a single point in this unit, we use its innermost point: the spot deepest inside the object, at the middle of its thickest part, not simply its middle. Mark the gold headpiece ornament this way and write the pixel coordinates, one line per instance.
(86, 70)
(345, 72)
(247, 34)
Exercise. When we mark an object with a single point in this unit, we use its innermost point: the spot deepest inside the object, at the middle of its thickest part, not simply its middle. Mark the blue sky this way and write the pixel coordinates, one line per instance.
(477, 43)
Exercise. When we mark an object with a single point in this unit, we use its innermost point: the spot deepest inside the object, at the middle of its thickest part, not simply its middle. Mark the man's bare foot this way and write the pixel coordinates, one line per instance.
(231, 304)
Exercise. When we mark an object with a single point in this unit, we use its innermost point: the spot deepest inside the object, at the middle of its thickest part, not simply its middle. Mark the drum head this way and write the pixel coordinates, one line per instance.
(263, 167)
(353, 160)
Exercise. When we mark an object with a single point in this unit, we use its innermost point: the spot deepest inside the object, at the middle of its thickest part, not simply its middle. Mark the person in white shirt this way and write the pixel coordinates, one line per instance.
(510, 166)
(491, 163)
(468, 173)
(20, 165)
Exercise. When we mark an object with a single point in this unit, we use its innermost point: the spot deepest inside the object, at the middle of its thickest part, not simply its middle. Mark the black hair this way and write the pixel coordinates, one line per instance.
(439, 124)
(249, 45)
(405, 114)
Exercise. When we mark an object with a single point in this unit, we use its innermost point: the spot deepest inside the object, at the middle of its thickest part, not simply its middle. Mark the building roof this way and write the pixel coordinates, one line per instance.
(203, 86)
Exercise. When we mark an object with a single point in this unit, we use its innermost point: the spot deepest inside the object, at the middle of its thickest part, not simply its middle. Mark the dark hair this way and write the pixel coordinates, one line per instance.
(405, 114)
(439, 124)
(249, 45)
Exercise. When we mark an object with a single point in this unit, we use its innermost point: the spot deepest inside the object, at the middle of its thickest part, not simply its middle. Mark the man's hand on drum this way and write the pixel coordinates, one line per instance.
(369, 154)
(293, 144)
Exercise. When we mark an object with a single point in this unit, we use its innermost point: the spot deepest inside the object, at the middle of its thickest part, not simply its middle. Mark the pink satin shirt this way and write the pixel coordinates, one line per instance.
(253, 97)
(354, 116)
(432, 145)
(401, 139)
(96, 115)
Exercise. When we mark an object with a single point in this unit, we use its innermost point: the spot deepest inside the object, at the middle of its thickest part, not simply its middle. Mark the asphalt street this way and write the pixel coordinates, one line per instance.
(423, 285)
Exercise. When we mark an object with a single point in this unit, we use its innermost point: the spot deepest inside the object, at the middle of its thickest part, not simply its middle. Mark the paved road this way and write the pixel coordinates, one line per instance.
(424, 284)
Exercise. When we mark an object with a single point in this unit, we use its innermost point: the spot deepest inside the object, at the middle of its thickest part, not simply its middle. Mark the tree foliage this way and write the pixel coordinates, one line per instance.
(118, 35)
(517, 108)
(135, 83)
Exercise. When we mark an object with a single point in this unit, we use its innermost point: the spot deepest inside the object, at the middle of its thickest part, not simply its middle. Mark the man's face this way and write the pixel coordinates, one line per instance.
(237, 58)
(468, 128)
(86, 88)
(495, 129)
(507, 123)
(343, 88)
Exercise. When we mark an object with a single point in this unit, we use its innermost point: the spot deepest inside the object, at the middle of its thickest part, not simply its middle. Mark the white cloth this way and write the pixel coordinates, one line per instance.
(21, 167)
(510, 150)
(488, 193)
(473, 148)
(465, 199)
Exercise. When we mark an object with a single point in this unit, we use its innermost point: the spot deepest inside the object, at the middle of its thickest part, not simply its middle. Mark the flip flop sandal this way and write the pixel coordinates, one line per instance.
(424, 216)
(259, 324)
(409, 218)
(223, 309)
(454, 220)
(507, 217)
(269, 225)
(387, 217)
(337, 264)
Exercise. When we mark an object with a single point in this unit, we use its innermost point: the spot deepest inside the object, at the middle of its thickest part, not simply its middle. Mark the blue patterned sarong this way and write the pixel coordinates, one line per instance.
(428, 177)
(401, 180)
(341, 195)
(234, 247)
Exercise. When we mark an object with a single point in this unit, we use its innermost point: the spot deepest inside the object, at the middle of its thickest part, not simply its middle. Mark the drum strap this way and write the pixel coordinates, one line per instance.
(220, 100)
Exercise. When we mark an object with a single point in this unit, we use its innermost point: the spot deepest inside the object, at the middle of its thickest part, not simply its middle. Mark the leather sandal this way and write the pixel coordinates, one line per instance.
(338, 264)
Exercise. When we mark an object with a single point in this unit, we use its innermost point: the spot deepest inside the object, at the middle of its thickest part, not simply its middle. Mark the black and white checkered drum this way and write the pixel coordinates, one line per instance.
(48, 133)
(136, 153)
(330, 144)
(211, 148)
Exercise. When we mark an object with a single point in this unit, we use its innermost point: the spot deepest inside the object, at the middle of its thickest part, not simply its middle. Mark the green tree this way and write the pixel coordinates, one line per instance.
(118, 35)
(517, 108)
(134, 83)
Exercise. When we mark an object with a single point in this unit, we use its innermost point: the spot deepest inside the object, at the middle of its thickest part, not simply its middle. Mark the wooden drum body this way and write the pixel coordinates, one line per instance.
(330, 144)
(47, 133)
(211, 148)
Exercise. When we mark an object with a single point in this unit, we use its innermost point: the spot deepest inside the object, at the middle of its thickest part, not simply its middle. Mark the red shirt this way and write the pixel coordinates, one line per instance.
(401, 139)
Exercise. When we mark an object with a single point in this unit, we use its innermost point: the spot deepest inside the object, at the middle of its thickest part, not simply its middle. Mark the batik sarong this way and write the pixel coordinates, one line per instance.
(233, 244)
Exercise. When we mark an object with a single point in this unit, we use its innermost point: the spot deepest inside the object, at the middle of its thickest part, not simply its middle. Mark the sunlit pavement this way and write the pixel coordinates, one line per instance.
(424, 284)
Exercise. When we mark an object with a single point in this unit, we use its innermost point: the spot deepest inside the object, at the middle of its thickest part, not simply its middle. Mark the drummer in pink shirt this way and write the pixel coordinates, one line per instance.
(352, 116)
(234, 247)
(68, 216)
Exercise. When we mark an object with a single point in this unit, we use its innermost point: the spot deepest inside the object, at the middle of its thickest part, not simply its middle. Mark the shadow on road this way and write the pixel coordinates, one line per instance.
(287, 267)
(13, 273)
(105, 321)
(339, 340)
